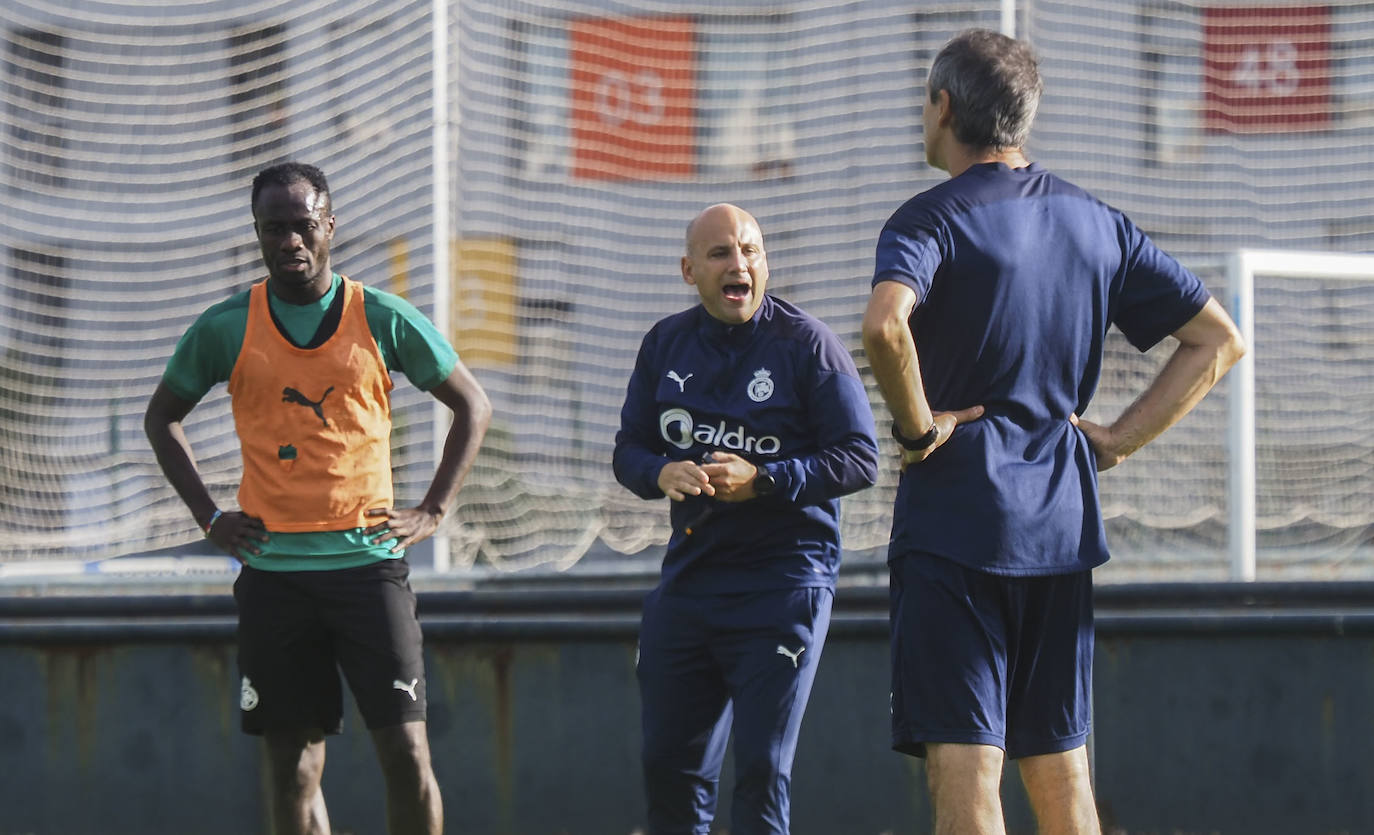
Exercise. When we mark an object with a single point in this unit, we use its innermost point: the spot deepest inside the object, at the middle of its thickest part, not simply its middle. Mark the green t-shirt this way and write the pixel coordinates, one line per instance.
(408, 342)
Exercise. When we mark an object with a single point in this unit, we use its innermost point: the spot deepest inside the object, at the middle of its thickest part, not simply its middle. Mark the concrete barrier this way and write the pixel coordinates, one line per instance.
(1220, 708)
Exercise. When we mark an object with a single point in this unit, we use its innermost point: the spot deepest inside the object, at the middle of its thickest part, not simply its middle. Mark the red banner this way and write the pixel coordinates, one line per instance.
(1267, 69)
(633, 98)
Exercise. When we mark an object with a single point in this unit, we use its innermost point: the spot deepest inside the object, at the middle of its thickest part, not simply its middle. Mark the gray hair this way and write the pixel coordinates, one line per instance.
(994, 88)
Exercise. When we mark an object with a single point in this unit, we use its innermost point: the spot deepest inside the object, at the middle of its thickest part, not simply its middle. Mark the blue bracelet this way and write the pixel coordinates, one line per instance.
(214, 517)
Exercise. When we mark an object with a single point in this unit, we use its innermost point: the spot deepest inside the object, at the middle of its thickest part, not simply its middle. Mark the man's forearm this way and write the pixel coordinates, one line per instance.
(896, 369)
(463, 442)
(471, 409)
(1186, 378)
(1209, 344)
(891, 353)
(162, 423)
(173, 453)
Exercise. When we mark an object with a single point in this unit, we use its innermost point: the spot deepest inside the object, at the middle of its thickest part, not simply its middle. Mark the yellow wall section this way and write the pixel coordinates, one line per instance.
(484, 300)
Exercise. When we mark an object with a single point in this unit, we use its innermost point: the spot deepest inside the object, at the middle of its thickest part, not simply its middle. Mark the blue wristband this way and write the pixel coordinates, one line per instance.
(214, 517)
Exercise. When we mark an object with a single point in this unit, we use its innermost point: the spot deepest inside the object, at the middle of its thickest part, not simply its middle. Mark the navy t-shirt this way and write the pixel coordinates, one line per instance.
(780, 390)
(1018, 275)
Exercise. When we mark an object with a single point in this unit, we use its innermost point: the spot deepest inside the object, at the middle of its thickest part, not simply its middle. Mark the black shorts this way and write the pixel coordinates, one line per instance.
(991, 660)
(298, 629)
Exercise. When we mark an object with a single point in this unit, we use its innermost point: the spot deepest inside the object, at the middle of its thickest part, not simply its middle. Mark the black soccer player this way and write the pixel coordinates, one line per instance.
(307, 355)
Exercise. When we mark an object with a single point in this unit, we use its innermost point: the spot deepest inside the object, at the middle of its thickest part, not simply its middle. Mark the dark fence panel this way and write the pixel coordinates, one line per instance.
(1219, 709)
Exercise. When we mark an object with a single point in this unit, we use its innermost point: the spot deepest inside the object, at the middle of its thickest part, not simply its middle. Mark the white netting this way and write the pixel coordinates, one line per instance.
(129, 134)
(1218, 128)
(585, 135)
(591, 133)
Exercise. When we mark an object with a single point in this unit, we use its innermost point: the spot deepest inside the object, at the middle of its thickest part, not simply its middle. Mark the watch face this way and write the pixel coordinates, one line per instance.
(764, 484)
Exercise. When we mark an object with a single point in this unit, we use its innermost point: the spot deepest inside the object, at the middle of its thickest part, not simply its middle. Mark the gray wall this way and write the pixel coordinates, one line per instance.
(1219, 709)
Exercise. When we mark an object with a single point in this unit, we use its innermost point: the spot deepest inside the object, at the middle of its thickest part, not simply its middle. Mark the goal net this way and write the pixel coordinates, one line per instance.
(584, 135)
(1301, 449)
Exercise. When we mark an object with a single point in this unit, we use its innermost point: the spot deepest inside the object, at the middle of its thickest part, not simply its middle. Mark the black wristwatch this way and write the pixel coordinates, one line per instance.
(764, 483)
(916, 444)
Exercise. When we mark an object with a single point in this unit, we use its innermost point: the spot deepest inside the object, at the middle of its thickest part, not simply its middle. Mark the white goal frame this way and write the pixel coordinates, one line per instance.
(1242, 267)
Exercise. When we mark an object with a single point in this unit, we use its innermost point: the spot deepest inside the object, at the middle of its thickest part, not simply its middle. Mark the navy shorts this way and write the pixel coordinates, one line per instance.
(985, 659)
(298, 629)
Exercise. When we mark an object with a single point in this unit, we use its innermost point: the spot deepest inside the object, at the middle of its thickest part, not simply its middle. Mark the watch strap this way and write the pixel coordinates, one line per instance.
(926, 441)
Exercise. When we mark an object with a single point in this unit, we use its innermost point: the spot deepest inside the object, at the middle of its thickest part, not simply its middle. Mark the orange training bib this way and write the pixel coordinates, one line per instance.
(314, 423)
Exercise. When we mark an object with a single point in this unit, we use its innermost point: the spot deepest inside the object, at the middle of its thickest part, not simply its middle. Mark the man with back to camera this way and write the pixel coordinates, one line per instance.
(1014, 277)
(750, 416)
(307, 355)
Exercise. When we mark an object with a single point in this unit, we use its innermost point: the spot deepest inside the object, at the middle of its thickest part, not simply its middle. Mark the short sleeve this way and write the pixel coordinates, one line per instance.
(206, 353)
(1158, 294)
(408, 340)
(910, 258)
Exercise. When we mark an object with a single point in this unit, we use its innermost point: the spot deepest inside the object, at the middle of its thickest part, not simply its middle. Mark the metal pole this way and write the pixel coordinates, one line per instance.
(440, 232)
(1240, 440)
(1008, 27)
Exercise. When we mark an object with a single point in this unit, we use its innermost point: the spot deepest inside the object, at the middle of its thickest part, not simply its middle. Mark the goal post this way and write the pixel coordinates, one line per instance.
(441, 226)
(1243, 267)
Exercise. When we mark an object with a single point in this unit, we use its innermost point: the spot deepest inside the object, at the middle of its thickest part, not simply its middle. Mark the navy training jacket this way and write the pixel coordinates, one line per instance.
(780, 390)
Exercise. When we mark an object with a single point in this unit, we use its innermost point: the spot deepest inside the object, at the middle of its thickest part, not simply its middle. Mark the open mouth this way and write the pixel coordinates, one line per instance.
(735, 292)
